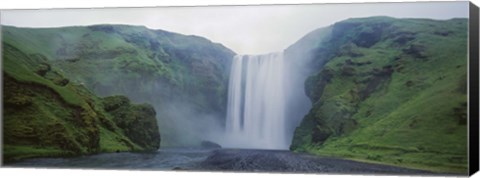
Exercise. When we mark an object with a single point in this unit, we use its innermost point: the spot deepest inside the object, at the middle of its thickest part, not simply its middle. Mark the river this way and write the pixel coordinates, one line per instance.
(225, 160)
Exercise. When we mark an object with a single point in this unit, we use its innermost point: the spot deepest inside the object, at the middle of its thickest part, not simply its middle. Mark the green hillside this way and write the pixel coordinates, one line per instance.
(388, 90)
(46, 114)
(183, 77)
(385, 90)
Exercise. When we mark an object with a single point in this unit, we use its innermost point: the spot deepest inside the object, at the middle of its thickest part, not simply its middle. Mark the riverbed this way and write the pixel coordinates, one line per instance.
(224, 160)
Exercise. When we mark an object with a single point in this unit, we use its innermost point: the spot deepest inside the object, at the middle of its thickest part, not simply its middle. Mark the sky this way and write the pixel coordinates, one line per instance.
(244, 29)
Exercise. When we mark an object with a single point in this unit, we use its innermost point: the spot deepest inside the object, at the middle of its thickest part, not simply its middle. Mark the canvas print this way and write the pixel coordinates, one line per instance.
(372, 88)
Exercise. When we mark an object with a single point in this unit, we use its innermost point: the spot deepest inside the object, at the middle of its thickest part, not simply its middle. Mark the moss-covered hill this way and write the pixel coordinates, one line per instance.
(46, 114)
(183, 77)
(387, 90)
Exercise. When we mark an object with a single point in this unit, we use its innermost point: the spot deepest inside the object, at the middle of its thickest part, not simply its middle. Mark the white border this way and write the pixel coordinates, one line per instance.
(48, 4)
(32, 4)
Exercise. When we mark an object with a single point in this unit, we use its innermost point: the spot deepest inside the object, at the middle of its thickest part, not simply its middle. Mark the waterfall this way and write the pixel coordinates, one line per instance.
(256, 103)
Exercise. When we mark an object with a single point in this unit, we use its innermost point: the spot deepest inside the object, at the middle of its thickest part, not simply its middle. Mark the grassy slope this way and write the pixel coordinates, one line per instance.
(47, 115)
(137, 62)
(111, 58)
(394, 92)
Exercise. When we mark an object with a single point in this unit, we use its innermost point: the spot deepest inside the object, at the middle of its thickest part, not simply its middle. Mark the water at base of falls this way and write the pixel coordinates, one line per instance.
(256, 103)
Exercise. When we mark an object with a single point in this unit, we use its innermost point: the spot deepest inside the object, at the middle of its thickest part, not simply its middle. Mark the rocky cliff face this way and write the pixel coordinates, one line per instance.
(184, 77)
(46, 114)
(387, 90)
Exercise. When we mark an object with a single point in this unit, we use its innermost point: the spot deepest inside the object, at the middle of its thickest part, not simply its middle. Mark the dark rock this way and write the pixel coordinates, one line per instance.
(380, 77)
(415, 50)
(210, 144)
(368, 39)
(137, 121)
(461, 113)
(402, 38)
(371, 35)
(320, 134)
(409, 83)
(178, 169)
(442, 33)
(43, 69)
(348, 126)
(62, 82)
(350, 62)
(114, 102)
(348, 71)
(314, 85)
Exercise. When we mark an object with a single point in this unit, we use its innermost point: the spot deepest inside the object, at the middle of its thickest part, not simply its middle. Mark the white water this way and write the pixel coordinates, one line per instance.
(256, 103)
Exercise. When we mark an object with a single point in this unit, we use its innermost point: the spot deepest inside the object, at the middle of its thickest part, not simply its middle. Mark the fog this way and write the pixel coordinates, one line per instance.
(266, 119)
(182, 122)
(181, 125)
(267, 99)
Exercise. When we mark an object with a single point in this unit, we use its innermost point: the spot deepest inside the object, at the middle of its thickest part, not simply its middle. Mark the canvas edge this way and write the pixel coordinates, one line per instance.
(473, 74)
(473, 145)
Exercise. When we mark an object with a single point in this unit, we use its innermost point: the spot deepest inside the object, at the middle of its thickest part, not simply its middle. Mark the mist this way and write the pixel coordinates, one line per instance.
(184, 119)
(181, 125)
(181, 120)
(266, 95)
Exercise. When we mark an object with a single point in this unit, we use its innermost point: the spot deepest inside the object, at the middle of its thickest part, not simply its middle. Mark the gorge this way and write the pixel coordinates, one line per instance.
(350, 90)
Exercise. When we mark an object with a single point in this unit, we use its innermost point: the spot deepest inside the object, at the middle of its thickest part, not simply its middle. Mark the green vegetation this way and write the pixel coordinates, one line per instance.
(132, 60)
(383, 90)
(391, 91)
(147, 66)
(137, 121)
(44, 114)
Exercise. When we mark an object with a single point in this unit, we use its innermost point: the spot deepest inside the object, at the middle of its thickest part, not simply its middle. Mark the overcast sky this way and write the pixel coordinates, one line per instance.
(244, 29)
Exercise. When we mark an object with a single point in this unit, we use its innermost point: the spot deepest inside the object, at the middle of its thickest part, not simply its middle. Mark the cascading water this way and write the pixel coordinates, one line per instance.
(256, 103)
